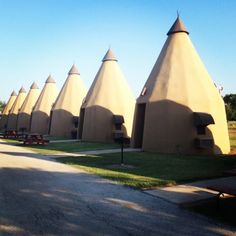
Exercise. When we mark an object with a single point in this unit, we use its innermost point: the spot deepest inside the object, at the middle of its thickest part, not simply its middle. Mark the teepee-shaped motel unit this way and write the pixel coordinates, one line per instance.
(40, 118)
(108, 95)
(66, 110)
(13, 114)
(23, 121)
(180, 110)
(6, 110)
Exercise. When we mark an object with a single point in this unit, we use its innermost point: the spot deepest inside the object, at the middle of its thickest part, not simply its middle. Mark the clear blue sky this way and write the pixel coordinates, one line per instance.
(39, 37)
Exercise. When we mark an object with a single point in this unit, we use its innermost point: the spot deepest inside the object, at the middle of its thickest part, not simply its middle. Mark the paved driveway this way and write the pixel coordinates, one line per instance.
(39, 196)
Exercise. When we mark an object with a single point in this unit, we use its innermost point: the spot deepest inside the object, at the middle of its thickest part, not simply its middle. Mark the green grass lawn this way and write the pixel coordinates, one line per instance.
(60, 147)
(152, 169)
(57, 138)
(148, 169)
(145, 170)
(54, 148)
(232, 138)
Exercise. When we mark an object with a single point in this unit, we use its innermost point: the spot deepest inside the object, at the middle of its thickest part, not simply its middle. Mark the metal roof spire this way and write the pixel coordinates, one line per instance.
(73, 70)
(50, 79)
(109, 56)
(22, 90)
(34, 86)
(13, 93)
(177, 27)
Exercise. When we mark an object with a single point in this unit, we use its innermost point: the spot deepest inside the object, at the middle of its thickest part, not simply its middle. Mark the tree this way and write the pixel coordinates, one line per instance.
(2, 105)
(230, 106)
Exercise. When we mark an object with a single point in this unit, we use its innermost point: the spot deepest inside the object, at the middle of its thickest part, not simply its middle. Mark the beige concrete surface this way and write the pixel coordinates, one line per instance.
(191, 193)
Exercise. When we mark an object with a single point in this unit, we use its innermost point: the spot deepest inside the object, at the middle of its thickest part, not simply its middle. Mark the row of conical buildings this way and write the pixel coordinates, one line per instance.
(179, 109)
(61, 114)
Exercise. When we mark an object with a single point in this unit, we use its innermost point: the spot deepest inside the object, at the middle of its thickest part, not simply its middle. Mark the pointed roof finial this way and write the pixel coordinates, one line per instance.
(109, 56)
(34, 86)
(73, 70)
(177, 13)
(22, 90)
(177, 27)
(50, 79)
(13, 93)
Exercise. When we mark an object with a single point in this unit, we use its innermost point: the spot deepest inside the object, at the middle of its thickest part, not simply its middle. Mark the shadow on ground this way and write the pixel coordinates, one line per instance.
(222, 211)
(39, 196)
(38, 202)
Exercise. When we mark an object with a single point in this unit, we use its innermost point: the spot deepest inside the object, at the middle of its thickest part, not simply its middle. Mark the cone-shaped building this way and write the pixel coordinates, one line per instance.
(66, 110)
(180, 110)
(12, 117)
(6, 110)
(23, 121)
(108, 95)
(40, 118)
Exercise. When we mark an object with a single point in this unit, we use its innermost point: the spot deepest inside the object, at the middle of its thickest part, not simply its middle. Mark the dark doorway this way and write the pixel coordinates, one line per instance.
(30, 121)
(139, 125)
(50, 122)
(81, 122)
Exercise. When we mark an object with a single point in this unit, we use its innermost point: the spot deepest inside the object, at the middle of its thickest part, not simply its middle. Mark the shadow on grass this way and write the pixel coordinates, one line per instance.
(232, 136)
(70, 147)
(151, 169)
(64, 147)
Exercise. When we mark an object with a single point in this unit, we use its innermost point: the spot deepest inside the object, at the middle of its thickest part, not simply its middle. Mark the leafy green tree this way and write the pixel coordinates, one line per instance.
(230, 106)
(2, 105)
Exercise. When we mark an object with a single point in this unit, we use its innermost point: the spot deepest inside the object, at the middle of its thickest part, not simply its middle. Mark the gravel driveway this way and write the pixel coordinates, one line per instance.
(39, 196)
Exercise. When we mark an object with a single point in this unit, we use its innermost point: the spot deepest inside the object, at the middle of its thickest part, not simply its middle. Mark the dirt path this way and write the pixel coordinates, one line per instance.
(39, 196)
